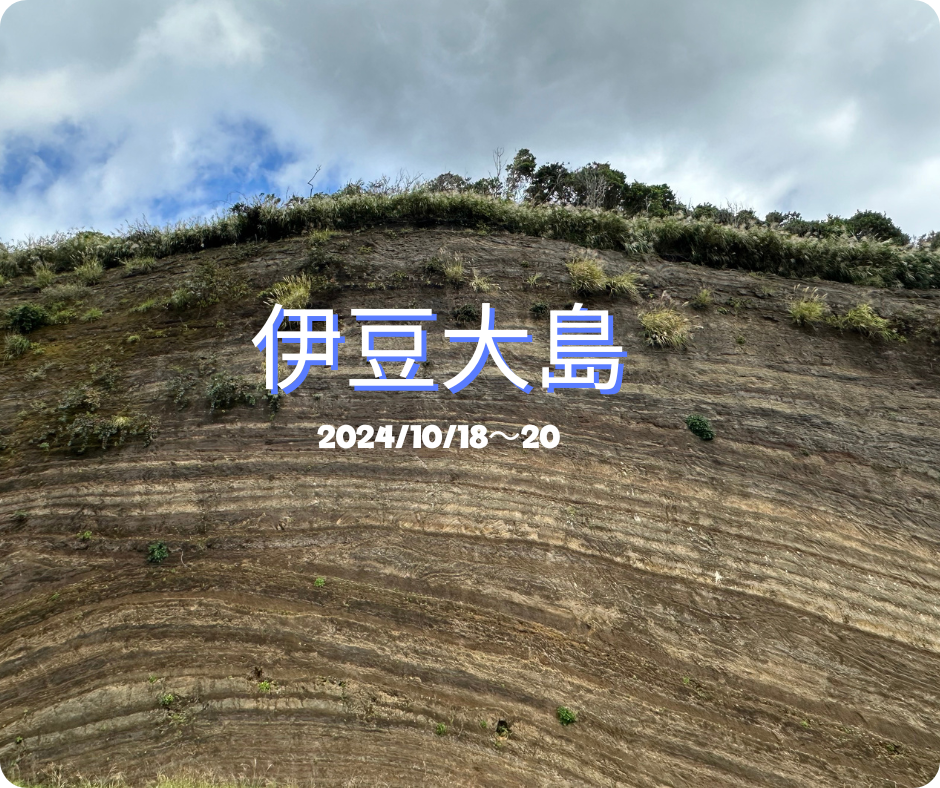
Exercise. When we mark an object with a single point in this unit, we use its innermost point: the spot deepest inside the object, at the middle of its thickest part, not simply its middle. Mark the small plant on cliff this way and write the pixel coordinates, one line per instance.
(867, 322)
(26, 318)
(90, 272)
(700, 426)
(139, 265)
(481, 283)
(565, 715)
(264, 686)
(319, 582)
(702, 299)
(226, 391)
(454, 271)
(665, 327)
(157, 553)
(587, 275)
(807, 306)
(626, 284)
(108, 430)
(292, 292)
(43, 276)
(167, 700)
(465, 314)
(540, 310)
(15, 345)
(441, 729)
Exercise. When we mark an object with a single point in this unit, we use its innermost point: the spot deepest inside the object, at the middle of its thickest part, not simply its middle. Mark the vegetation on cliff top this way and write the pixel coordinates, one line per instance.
(593, 206)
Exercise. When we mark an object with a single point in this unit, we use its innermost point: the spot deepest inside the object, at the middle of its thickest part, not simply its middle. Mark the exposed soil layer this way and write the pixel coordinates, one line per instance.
(758, 610)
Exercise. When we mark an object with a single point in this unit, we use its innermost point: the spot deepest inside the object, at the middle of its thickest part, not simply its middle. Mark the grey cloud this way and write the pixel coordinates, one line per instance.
(814, 105)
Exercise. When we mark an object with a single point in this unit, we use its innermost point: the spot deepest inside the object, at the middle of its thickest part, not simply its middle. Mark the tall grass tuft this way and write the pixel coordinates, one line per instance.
(665, 327)
(807, 306)
(587, 275)
(292, 292)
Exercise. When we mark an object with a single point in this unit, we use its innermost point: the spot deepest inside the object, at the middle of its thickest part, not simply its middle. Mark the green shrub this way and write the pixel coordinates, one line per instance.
(319, 582)
(665, 327)
(179, 386)
(168, 699)
(264, 686)
(207, 286)
(64, 292)
(540, 310)
(466, 314)
(90, 272)
(84, 536)
(157, 553)
(226, 391)
(565, 715)
(26, 318)
(15, 345)
(91, 315)
(43, 275)
(440, 729)
(699, 426)
(807, 306)
(830, 249)
(108, 430)
(864, 320)
(139, 265)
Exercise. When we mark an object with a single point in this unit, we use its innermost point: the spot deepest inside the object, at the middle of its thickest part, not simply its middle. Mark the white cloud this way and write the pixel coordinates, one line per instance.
(204, 33)
(166, 107)
(839, 127)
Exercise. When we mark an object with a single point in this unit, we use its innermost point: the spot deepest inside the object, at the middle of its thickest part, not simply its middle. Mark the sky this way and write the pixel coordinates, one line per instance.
(112, 111)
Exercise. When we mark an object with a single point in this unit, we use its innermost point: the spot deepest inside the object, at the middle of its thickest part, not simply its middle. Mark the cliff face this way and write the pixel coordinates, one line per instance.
(760, 609)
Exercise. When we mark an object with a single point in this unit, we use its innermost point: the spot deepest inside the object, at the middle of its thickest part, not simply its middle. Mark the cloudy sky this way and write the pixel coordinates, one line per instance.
(114, 110)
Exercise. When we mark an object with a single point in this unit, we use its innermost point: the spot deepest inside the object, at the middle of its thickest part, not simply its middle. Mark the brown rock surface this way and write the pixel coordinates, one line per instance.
(760, 610)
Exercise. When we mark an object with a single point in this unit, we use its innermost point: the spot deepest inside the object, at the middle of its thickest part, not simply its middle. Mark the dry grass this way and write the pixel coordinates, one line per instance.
(454, 271)
(292, 292)
(625, 284)
(587, 275)
(702, 299)
(665, 327)
(481, 283)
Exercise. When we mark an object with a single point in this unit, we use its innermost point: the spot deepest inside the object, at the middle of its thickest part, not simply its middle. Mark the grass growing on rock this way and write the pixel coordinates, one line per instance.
(665, 327)
(865, 321)
(807, 306)
(292, 292)
(767, 248)
(15, 345)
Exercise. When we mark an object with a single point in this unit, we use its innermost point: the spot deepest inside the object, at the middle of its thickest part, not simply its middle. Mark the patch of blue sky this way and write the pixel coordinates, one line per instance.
(39, 163)
(242, 161)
